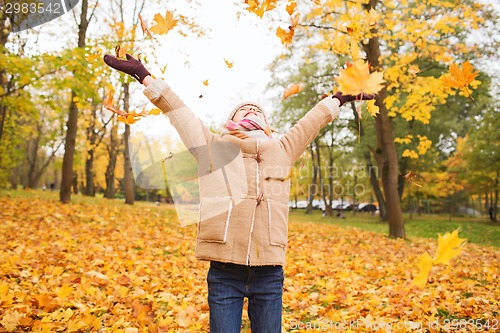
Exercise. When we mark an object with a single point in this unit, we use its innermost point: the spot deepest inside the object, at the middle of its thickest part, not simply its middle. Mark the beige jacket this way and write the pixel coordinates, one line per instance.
(243, 214)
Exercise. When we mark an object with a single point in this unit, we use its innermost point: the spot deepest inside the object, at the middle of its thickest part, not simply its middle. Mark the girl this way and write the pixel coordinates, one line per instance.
(243, 226)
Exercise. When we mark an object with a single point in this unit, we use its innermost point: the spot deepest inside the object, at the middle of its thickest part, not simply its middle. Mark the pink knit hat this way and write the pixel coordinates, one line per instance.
(231, 115)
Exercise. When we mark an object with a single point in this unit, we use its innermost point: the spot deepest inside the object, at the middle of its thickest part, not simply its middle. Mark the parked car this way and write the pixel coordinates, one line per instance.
(367, 207)
(342, 206)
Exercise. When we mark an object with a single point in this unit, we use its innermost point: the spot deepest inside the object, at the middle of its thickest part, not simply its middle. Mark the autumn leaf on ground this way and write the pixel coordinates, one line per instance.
(356, 79)
(144, 27)
(460, 78)
(229, 64)
(163, 24)
(292, 90)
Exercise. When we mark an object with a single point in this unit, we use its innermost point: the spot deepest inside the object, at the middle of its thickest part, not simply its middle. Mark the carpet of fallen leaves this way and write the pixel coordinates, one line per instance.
(108, 267)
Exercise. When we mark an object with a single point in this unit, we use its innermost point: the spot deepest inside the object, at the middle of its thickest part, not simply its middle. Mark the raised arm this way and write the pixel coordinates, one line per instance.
(191, 129)
(298, 138)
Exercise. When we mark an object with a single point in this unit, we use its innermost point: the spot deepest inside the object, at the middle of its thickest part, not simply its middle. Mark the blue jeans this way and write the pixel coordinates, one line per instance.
(229, 284)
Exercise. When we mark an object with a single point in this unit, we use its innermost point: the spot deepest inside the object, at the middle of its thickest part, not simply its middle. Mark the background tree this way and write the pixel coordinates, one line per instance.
(394, 37)
(79, 71)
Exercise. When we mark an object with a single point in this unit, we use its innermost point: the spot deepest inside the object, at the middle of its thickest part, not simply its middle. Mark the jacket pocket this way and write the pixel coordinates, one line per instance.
(278, 223)
(215, 214)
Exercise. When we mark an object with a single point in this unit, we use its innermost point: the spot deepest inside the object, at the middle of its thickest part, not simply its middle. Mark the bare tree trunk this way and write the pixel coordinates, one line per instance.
(495, 205)
(387, 158)
(128, 177)
(328, 203)
(110, 169)
(72, 125)
(89, 174)
(373, 174)
(313, 187)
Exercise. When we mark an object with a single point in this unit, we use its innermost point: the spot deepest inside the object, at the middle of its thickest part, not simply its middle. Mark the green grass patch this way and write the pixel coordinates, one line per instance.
(476, 230)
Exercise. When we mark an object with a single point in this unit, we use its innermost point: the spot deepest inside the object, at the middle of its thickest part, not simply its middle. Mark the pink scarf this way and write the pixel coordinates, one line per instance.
(253, 126)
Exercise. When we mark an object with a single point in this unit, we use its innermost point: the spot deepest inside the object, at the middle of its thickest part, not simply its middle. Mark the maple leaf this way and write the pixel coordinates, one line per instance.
(154, 112)
(229, 64)
(460, 78)
(285, 36)
(291, 7)
(356, 79)
(425, 266)
(292, 90)
(410, 176)
(109, 104)
(144, 27)
(294, 20)
(120, 51)
(449, 246)
(205, 83)
(163, 24)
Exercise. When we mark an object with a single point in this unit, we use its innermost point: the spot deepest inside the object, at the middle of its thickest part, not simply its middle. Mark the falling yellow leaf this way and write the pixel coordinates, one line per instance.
(128, 119)
(144, 27)
(356, 79)
(154, 112)
(410, 176)
(229, 64)
(292, 90)
(291, 7)
(205, 82)
(449, 246)
(163, 24)
(285, 36)
(163, 69)
(294, 20)
(425, 266)
(460, 78)
(120, 51)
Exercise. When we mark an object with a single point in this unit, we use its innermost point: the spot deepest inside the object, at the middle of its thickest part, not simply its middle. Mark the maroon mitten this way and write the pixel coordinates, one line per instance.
(131, 66)
(348, 98)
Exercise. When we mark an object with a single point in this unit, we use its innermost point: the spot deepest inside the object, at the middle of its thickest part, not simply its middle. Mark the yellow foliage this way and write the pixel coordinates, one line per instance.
(423, 145)
(410, 153)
